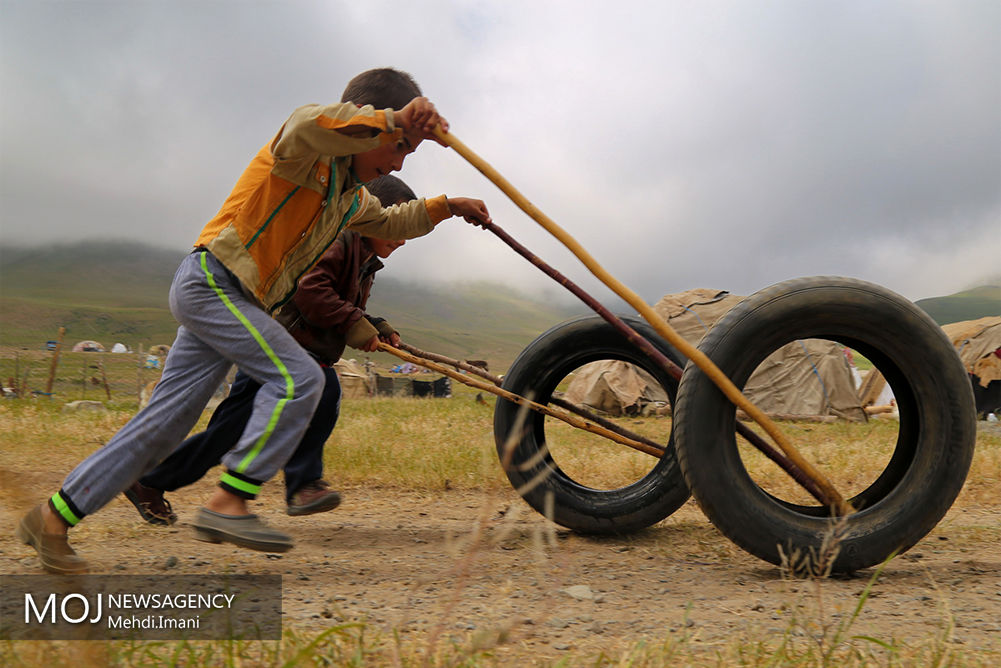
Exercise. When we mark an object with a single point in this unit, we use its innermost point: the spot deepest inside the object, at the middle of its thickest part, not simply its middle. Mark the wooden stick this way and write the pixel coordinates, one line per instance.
(458, 364)
(660, 359)
(562, 403)
(688, 350)
(522, 401)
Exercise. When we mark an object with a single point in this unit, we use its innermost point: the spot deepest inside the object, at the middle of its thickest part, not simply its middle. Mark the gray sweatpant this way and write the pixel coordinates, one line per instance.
(219, 327)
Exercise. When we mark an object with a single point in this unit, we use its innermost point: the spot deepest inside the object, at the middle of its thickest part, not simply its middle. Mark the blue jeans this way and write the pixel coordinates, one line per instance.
(201, 452)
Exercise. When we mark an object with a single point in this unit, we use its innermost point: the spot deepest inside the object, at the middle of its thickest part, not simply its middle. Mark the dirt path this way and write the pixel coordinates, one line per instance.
(475, 567)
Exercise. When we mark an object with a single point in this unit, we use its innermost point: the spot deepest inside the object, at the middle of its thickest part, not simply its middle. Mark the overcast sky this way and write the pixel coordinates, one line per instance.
(727, 144)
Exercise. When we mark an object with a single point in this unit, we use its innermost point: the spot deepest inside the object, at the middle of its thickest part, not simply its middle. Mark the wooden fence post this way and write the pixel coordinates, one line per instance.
(139, 375)
(104, 376)
(55, 361)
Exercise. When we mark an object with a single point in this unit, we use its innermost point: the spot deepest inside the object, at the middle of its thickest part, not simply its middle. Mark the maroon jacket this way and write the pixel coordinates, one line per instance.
(328, 309)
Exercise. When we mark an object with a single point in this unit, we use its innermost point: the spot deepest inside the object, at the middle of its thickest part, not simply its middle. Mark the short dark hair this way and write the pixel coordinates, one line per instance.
(382, 88)
(390, 190)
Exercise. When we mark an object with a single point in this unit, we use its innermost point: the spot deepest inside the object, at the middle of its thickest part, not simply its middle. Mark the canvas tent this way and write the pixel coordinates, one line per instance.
(978, 343)
(803, 378)
(355, 380)
(615, 387)
(88, 347)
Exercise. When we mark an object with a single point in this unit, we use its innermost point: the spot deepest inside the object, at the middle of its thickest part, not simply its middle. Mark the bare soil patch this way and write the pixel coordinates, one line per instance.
(478, 568)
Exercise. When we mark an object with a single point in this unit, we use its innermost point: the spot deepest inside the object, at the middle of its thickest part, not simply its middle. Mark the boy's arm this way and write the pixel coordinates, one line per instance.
(336, 130)
(378, 330)
(414, 218)
(387, 332)
(344, 128)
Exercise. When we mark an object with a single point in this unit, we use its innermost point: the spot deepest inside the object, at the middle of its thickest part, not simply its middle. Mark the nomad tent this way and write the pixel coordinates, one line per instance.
(88, 347)
(978, 343)
(615, 387)
(355, 381)
(802, 379)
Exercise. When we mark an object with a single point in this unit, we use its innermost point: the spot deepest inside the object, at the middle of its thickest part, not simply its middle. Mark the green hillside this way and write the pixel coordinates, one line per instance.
(114, 291)
(967, 305)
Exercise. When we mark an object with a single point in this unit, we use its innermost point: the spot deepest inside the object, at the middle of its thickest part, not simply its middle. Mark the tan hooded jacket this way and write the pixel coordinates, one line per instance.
(299, 191)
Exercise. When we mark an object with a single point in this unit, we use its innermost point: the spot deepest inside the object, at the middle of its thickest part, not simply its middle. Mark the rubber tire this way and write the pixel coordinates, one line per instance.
(536, 373)
(934, 445)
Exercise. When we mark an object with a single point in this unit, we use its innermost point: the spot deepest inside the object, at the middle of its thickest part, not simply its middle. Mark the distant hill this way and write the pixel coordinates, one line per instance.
(117, 291)
(112, 291)
(967, 305)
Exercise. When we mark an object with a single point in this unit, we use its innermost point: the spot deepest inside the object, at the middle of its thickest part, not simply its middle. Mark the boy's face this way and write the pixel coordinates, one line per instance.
(384, 247)
(385, 159)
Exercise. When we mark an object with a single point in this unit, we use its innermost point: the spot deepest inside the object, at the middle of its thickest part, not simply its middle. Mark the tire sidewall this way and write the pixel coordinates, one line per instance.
(926, 374)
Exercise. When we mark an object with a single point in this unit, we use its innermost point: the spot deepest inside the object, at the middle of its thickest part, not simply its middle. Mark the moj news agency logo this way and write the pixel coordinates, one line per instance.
(142, 607)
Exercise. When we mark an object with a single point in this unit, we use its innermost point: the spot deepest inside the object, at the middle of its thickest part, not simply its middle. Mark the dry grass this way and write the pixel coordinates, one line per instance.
(423, 444)
(427, 444)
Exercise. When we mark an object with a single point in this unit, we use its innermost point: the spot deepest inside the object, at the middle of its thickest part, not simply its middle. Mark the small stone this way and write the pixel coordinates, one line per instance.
(84, 406)
(580, 592)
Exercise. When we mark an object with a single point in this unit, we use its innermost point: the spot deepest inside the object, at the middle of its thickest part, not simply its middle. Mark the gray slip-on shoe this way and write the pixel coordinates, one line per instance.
(241, 530)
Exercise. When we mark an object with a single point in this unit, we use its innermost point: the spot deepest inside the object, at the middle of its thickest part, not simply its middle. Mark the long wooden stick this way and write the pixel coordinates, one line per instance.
(658, 358)
(688, 350)
(556, 401)
(522, 401)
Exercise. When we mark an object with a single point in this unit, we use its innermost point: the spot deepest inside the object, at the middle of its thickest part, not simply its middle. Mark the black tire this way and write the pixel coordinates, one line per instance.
(536, 373)
(934, 444)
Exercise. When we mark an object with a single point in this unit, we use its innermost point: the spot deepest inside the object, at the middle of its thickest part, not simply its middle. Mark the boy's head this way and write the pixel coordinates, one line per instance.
(390, 190)
(382, 88)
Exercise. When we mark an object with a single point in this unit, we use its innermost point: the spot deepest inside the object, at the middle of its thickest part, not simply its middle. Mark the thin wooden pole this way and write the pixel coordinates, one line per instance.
(556, 401)
(140, 360)
(522, 401)
(657, 357)
(55, 361)
(104, 376)
(688, 350)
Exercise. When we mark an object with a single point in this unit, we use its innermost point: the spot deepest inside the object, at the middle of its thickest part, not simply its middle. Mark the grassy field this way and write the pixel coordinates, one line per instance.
(417, 445)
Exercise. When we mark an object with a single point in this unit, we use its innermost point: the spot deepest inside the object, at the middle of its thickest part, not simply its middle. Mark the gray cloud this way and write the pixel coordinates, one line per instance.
(685, 144)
